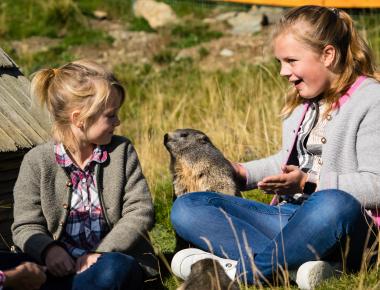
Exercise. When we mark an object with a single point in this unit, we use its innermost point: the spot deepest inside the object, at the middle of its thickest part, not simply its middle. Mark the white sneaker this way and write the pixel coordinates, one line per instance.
(312, 273)
(182, 261)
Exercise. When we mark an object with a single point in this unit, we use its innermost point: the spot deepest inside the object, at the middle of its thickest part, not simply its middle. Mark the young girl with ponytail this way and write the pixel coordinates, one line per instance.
(326, 177)
(82, 205)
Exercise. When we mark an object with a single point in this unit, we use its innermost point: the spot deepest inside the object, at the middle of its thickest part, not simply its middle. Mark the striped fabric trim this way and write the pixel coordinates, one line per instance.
(305, 158)
(309, 146)
(2, 279)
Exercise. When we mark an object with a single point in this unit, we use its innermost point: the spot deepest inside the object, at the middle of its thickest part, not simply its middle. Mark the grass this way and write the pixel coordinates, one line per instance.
(235, 105)
(238, 109)
(191, 34)
(368, 25)
(203, 8)
(37, 17)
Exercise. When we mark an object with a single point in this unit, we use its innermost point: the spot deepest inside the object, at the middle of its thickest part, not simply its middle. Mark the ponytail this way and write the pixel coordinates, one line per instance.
(40, 86)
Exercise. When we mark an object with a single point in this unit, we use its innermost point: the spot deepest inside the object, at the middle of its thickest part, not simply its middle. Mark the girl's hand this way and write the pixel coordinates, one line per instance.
(241, 173)
(84, 262)
(25, 276)
(58, 261)
(292, 180)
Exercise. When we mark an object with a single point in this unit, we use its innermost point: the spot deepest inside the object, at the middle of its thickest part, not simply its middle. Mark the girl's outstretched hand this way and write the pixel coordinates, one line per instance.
(84, 262)
(292, 180)
(25, 276)
(58, 261)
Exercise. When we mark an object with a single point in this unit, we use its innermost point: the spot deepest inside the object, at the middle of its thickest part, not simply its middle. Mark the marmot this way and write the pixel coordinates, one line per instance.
(197, 165)
(208, 274)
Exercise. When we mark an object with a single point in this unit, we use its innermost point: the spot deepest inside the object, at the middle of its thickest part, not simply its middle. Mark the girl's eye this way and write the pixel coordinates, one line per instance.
(113, 115)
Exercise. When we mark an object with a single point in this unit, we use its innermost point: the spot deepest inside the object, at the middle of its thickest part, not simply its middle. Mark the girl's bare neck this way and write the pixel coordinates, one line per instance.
(81, 155)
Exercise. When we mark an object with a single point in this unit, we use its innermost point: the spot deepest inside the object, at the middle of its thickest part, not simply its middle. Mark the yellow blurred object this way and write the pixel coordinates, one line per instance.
(328, 3)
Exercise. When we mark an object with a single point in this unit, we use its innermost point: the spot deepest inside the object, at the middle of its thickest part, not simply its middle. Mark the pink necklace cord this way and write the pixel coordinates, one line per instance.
(350, 91)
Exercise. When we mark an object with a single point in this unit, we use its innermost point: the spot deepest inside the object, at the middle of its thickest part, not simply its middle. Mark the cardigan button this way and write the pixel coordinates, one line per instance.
(65, 205)
(328, 117)
(320, 162)
(61, 224)
(323, 140)
(69, 184)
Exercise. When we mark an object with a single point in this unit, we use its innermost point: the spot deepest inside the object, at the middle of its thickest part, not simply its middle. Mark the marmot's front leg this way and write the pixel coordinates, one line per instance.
(179, 187)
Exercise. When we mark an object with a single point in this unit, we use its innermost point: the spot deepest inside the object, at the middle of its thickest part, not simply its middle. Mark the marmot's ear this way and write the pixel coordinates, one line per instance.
(205, 139)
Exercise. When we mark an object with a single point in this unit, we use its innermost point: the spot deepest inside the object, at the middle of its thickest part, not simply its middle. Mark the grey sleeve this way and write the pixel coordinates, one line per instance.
(29, 229)
(258, 169)
(137, 210)
(364, 184)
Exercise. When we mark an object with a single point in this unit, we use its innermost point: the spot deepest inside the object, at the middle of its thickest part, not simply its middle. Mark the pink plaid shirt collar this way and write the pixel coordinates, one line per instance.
(85, 225)
(99, 155)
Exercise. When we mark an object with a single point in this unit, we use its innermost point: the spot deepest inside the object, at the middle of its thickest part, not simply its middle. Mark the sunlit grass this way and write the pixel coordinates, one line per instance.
(234, 108)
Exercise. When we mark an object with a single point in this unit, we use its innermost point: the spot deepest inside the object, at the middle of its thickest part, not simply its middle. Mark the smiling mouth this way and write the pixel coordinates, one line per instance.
(297, 82)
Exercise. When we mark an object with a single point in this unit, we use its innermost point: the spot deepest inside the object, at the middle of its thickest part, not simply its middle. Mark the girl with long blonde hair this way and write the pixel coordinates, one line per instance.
(326, 177)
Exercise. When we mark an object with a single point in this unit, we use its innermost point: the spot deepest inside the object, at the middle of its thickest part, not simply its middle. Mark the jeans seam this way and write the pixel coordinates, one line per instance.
(209, 201)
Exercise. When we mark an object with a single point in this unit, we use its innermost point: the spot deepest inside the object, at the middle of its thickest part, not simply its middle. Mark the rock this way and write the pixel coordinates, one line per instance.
(225, 16)
(220, 18)
(209, 20)
(157, 14)
(254, 10)
(100, 15)
(270, 14)
(245, 23)
(34, 44)
(226, 52)
(185, 54)
(268, 10)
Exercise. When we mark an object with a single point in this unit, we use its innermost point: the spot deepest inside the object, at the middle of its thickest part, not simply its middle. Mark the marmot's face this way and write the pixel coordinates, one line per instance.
(181, 139)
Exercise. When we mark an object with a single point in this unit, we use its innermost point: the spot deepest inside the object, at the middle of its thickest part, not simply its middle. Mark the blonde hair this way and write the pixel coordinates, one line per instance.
(80, 85)
(328, 26)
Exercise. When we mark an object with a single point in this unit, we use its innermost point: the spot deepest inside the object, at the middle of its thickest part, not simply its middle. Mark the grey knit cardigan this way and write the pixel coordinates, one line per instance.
(42, 197)
(351, 154)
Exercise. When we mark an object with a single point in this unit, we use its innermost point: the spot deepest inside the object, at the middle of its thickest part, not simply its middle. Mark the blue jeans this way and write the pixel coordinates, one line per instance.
(10, 260)
(112, 271)
(271, 238)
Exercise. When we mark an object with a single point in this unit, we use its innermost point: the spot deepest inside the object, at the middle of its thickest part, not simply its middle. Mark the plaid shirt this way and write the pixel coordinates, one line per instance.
(85, 226)
(2, 280)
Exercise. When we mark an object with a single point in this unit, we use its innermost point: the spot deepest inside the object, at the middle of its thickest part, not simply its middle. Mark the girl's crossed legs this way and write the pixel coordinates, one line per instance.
(112, 271)
(273, 237)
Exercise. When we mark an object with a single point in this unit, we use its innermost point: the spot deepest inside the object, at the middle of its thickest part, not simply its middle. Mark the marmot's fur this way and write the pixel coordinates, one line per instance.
(197, 165)
(208, 274)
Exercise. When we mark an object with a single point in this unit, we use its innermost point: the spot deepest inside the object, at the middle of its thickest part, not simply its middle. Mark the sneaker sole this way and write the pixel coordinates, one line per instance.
(179, 257)
(312, 273)
(197, 254)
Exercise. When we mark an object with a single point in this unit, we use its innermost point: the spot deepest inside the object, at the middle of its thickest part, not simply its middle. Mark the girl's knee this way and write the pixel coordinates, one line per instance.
(117, 260)
(337, 204)
(183, 208)
(117, 268)
(336, 198)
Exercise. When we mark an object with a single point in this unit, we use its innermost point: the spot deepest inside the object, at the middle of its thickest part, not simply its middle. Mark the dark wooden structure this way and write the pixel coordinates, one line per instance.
(22, 126)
